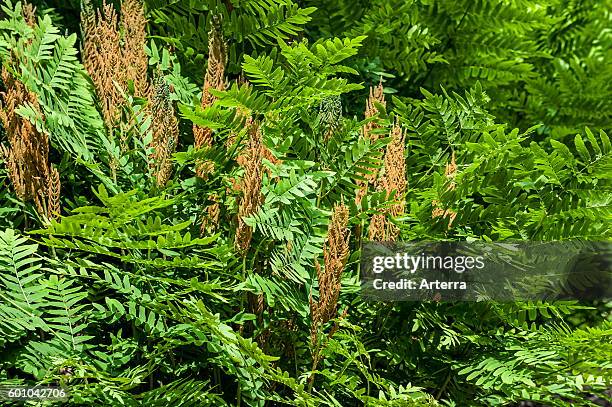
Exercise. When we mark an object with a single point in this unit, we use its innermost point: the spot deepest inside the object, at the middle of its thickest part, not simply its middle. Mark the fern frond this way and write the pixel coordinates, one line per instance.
(23, 296)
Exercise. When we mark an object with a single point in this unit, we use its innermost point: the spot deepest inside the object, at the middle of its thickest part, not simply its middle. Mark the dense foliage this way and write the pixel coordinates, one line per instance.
(185, 186)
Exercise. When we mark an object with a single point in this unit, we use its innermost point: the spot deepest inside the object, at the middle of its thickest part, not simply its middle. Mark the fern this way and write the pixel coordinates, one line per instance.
(214, 288)
(23, 295)
(65, 312)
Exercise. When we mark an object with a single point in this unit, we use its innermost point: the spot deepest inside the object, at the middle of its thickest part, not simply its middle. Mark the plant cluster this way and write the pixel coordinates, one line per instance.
(185, 187)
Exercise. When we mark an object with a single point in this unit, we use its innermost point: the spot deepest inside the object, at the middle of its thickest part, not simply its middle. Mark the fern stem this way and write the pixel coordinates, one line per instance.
(444, 385)
(244, 274)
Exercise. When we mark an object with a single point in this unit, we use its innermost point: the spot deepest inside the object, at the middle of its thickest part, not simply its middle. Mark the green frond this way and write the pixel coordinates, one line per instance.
(23, 295)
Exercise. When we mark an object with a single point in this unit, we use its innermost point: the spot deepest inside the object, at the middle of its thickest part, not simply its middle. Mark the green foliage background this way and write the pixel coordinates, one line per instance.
(125, 303)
